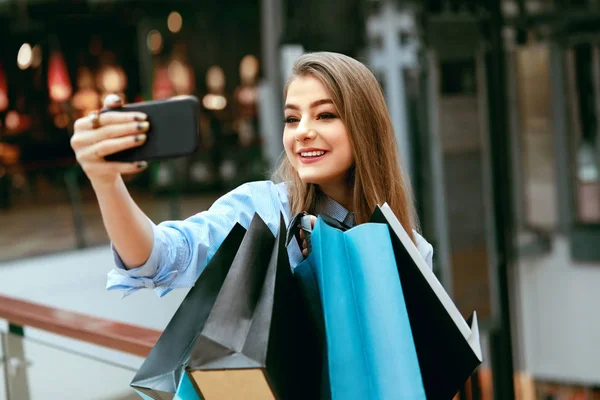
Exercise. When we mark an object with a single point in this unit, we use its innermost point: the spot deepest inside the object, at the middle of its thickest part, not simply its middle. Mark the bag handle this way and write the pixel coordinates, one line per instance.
(301, 222)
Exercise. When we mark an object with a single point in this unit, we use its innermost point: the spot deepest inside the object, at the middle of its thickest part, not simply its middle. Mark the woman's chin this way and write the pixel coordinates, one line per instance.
(318, 179)
(315, 180)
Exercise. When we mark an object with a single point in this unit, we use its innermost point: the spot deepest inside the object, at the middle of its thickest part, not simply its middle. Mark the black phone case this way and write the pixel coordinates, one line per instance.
(173, 130)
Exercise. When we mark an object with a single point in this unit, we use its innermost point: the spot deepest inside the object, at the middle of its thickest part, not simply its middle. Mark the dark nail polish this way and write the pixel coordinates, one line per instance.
(141, 164)
(139, 138)
(143, 126)
(139, 118)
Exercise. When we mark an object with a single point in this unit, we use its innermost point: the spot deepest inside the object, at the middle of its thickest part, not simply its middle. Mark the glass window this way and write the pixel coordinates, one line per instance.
(583, 69)
(463, 164)
(536, 140)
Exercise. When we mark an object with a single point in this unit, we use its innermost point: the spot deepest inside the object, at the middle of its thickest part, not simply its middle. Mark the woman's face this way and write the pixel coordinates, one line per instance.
(315, 138)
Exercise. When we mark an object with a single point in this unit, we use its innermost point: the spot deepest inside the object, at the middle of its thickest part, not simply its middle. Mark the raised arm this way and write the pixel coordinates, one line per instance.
(181, 249)
(127, 226)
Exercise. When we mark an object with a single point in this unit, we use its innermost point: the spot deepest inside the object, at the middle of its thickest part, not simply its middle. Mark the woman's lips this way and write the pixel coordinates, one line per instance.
(310, 160)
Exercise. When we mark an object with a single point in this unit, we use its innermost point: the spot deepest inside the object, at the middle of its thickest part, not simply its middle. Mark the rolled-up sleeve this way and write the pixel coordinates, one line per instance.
(169, 253)
(181, 249)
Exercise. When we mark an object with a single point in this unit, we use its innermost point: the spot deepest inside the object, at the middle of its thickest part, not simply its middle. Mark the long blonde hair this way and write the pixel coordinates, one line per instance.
(377, 175)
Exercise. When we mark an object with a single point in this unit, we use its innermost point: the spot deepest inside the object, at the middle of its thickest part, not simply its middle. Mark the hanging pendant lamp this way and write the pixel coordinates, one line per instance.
(3, 90)
(59, 83)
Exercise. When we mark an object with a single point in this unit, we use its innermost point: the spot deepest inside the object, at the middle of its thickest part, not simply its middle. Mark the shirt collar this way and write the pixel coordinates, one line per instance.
(327, 205)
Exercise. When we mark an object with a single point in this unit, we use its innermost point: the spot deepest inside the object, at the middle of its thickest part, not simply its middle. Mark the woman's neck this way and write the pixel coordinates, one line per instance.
(341, 194)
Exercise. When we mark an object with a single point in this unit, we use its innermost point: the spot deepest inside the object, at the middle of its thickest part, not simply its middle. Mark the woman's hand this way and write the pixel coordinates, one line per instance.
(313, 219)
(100, 135)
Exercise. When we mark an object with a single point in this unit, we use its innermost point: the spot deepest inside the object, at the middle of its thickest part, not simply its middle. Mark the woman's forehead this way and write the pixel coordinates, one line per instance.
(306, 88)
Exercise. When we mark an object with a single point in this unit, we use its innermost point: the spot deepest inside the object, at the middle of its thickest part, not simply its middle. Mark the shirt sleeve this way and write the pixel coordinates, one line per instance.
(425, 249)
(181, 249)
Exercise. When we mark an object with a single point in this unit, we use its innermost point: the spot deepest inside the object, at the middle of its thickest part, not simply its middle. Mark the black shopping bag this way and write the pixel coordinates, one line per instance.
(161, 372)
(259, 342)
(448, 347)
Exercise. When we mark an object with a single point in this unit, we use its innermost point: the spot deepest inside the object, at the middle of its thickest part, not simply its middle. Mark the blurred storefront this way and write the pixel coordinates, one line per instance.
(513, 94)
(58, 60)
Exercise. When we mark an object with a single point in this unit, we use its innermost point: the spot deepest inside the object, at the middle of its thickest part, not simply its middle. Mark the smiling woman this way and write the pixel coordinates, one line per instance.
(335, 105)
(341, 161)
(315, 139)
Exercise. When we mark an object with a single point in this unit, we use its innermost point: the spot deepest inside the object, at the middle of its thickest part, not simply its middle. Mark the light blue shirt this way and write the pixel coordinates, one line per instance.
(182, 249)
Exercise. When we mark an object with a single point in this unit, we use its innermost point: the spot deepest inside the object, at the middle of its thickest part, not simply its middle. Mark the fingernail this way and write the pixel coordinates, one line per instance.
(140, 117)
(139, 138)
(141, 164)
(143, 126)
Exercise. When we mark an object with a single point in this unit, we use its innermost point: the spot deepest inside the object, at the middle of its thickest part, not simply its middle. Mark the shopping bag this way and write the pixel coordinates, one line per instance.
(160, 373)
(259, 342)
(447, 346)
(352, 280)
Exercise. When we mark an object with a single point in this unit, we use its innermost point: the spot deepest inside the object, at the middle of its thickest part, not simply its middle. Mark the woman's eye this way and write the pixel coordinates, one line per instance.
(291, 120)
(326, 116)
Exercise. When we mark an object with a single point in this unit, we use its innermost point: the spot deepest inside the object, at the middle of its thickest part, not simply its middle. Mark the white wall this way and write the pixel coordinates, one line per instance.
(557, 312)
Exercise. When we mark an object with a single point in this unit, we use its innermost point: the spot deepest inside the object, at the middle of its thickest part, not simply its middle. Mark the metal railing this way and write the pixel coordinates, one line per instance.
(56, 367)
(19, 367)
(59, 368)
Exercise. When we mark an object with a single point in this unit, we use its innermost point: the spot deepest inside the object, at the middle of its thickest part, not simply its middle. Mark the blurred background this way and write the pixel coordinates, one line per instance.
(496, 107)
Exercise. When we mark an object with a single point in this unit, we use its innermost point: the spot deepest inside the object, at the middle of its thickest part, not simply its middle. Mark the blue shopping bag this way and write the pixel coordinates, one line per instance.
(186, 389)
(351, 280)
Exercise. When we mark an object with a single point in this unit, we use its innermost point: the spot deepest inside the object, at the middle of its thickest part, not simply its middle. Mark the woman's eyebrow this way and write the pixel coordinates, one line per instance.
(312, 105)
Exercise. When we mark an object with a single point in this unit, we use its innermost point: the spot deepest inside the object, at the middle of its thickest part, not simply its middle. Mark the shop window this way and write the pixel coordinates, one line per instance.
(464, 163)
(583, 86)
(535, 172)
(586, 162)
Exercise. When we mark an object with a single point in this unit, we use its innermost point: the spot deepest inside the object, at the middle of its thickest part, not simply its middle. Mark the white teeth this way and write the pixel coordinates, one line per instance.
(312, 153)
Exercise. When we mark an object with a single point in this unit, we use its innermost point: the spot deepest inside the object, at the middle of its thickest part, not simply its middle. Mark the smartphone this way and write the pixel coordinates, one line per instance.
(173, 129)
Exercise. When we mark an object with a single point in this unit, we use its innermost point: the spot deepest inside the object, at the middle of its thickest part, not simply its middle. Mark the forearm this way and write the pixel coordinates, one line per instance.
(126, 224)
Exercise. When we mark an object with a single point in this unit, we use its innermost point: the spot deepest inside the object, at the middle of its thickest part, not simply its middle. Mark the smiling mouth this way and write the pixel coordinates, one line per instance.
(312, 154)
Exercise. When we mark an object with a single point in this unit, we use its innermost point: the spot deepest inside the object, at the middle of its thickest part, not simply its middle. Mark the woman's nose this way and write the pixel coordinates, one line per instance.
(304, 131)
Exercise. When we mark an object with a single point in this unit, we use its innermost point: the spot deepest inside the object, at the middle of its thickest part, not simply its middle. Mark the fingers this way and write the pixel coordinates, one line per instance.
(113, 101)
(121, 117)
(115, 131)
(111, 132)
(112, 168)
(109, 118)
(88, 138)
(109, 146)
(313, 219)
